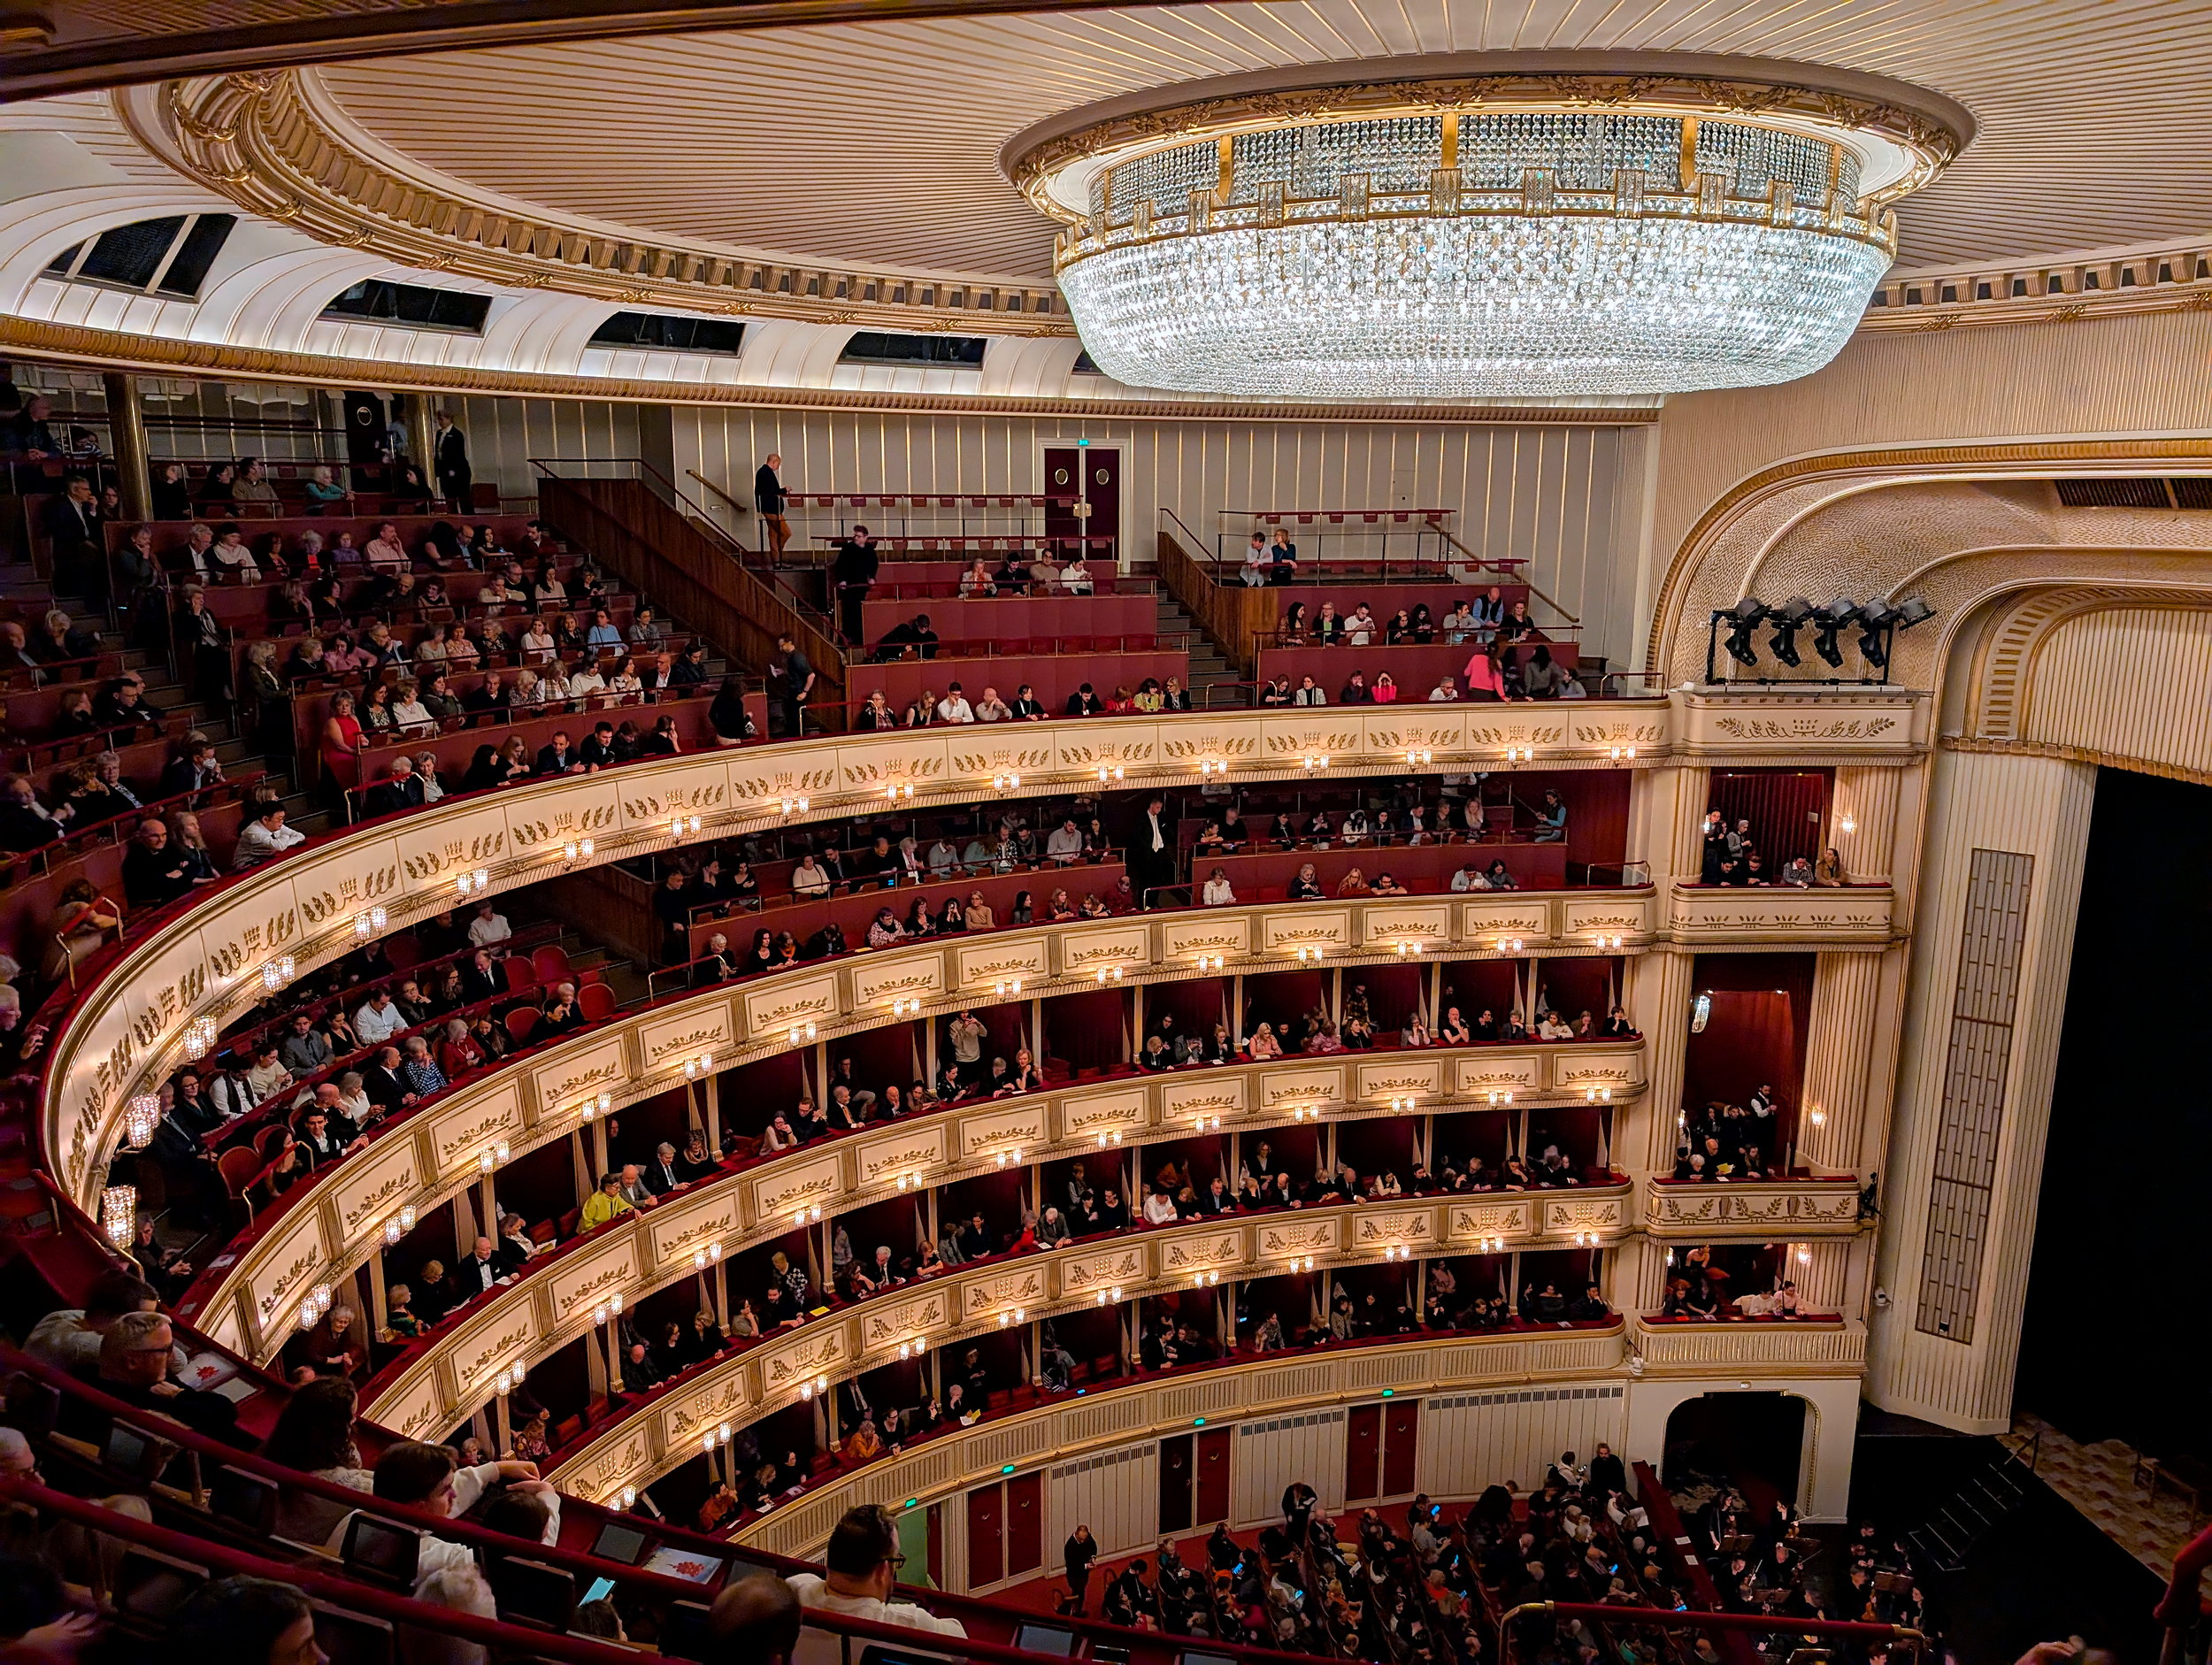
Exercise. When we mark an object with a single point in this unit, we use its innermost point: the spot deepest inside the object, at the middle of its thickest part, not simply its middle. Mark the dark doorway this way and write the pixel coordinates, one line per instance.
(1083, 497)
(1752, 1441)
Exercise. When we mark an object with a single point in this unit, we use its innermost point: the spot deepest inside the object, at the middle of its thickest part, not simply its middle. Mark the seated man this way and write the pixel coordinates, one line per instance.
(859, 1572)
(915, 634)
(425, 1477)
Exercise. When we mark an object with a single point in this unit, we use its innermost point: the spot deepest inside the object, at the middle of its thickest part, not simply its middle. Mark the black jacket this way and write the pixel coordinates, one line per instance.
(768, 492)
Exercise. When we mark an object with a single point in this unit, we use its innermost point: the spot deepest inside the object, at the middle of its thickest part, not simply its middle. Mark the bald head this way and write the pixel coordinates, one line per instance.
(755, 1620)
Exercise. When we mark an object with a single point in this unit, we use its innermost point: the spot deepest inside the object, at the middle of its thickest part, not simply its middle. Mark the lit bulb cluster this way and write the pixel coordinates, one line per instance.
(492, 1156)
(607, 1310)
(702, 1065)
(1304, 1113)
(904, 1008)
(1585, 1240)
(141, 1117)
(1110, 772)
(592, 1109)
(576, 849)
(1009, 1317)
(800, 1033)
(1622, 754)
(1500, 1095)
(703, 1258)
(1509, 945)
(1315, 764)
(1109, 974)
(1010, 1157)
(912, 1180)
(468, 884)
(370, 922)
(1006, 782)
(909, 1349)
(820, 1385)
(1204, 1280)
(899, 789)
(398, 1225)
(1520, 754)
(1307, 953)
(1208, 962)
(1603, 941)
(1597, 1096)
(1404, 1104)
(1422, 755)
(1406, 950)
(1211, 766)
(679, 825)
(1007, 985)
(795, 805)
(806, 1216)
(1112, 1138)
(1396, 1252)
(199, 1038)
(119, 1213)
(1493, 1244)
(714, 1437)
(1106, 1295)
(1300, 1263)
(276, 972)
(1201, 1123)
(314, 1307)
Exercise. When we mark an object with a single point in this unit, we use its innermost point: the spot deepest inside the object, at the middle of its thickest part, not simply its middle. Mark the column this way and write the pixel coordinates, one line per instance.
(422, 446)
(2000, 881)
(1866, 799)
(1838, 1043)
(1658, 1004)
(126, 438)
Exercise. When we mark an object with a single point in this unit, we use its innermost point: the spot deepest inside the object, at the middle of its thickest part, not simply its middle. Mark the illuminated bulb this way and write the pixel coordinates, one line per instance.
(199, 1037)
(1419, 757)
(599, 1313)
(484, 1161)
(1110, 772)
(139, 1119)
(629, 1496)
(504, 1382)
(806, 1390)
(706, 1442)
(722, 1434)
(119, 1213)
(1818, 1118)
(698, 1260)
(369, 921)
(1006, 782)
(714, 1251)
(1804, 1256)
(1847, 824)
(615, 1302)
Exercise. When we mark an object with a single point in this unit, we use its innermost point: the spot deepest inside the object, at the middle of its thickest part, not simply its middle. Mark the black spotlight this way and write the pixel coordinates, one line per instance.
(1875, 620)
(1743, 619)
(1829, 623)
(1787, 620)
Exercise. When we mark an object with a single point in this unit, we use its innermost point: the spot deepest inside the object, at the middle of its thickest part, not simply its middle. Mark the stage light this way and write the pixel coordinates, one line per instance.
(1913, 609)
(1829, 624)
(1743, 619)
(1787, 620)
(1876, 618)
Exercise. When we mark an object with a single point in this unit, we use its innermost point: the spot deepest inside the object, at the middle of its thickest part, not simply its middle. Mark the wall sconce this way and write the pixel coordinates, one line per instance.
(682, 824)
(703, 1064)
(491, 1157)
(1405, 949)
(1010, 1157)
(1308, 953)
(1313, 763)
(820, 1385)
(1847, 823)
(802, 1033)
(576, 847)
(703, 1258)
(1585, 1240)
(1604, 941)
(1624, 754)
(1020, 1315)
(1208, 962)
(1110, 772)
(903, 1008)
(591, 1109)
(1501, 1096)
(1107, 1295)
(1204, 1280)
(369, 921)
(899, 789)
(913, 1179)
(276, 973)
(199, 1038)
(1304, 1112)
(1417, 758)
(1597, 1096)
(1509, 945)
(599, 1315)
(803, 1216)
(1804, 1254)
(1110, 1138)
(1520, 754)
(1109, 974)
(1301, 1263)
(1202, 1122)
(1211, 766)
(119, 1213)
(1818, 1116)
(1396, 1252)
(795, 805)
(398, 1226)
(907, 1349)
(1006, 782)
(141, 1117)
(1404, 1105)
(1493, 1244)
(468, 884)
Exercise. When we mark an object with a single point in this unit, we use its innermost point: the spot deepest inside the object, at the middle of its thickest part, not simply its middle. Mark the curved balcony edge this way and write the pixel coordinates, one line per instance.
(436, 1392)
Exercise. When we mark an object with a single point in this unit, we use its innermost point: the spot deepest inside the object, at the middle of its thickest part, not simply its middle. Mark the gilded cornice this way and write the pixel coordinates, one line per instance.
(255, 139)
(77, 343)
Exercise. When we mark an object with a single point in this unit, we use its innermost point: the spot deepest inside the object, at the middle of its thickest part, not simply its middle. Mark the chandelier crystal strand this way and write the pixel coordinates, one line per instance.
(1541, 254)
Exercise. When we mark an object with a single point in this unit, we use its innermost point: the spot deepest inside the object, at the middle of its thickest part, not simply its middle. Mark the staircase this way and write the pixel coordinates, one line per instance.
(1947, 1537)
(1209, 667)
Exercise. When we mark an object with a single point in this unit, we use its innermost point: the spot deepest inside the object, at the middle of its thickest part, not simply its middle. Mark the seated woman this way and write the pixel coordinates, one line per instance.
(1263, 1044)
(1386, 690)
(1305, 886)
(976, 581)
(1499, 878)
(1353, 883)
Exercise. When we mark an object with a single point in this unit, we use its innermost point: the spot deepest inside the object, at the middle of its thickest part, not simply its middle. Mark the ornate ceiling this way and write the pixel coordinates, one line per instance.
(877, 142)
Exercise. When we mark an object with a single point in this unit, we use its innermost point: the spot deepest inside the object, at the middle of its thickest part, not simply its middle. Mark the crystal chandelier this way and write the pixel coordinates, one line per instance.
(1365, 244)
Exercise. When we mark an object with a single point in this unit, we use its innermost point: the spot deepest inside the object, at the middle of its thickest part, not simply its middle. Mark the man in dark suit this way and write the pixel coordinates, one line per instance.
(402, 790)
(481, 978)
(450, 458)
(72, 521)
(854, 572)
(1152, 847)
(768, 500)
(477, 1273)
(558, 759)
(660, 1174)
(386, 1086)
(1084, 702)
(195, 771)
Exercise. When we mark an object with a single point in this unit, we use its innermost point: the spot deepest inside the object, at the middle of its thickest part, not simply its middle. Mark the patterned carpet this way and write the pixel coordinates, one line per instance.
(2099, 1480)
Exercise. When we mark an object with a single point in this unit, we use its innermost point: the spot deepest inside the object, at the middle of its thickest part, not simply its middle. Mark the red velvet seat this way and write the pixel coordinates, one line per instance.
(595, 1001)
(550, 965)
(521, 1023)
(519, 971)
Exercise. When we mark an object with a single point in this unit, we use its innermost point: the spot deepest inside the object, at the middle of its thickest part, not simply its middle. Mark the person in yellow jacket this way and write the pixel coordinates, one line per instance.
(606, 1202)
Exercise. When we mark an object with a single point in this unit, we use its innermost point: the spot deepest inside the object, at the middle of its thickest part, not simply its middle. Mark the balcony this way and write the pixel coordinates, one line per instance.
(1681, 1210)
(1800, 1345)
(1771, 916)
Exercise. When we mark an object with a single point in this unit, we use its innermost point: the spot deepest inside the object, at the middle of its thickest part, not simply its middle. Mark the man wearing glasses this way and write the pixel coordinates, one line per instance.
(863, 1563)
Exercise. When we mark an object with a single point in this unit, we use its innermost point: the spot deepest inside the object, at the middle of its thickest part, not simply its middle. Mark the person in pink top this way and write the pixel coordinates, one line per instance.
(1483, 675)
(386, 552)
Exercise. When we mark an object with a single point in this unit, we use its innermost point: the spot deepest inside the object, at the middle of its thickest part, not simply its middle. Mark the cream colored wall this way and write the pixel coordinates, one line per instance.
(1548, 494)
(2039, 807)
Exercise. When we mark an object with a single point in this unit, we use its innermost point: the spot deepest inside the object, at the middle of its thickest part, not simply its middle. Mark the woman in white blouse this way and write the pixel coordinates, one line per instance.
(1218, 892)
(1159, 1208)
(537, 642)
(432, 648)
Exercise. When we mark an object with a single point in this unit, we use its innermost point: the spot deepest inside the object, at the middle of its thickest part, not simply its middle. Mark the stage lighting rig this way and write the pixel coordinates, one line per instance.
(1787, 620)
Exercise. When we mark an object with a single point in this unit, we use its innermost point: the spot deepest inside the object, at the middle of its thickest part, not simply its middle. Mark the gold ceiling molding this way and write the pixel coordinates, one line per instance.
(1030, 159)
(2025, 459)
(255, 139)
(2002, 681)
(155, 355)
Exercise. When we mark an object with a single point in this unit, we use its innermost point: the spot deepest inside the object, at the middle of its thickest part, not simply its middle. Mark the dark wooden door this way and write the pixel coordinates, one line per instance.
(1090, 474)
(1024, 1523)
(1402, 1447)
(1213, 1475)
(987, 1554)
(1175, 1484)
(1362, 1453)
